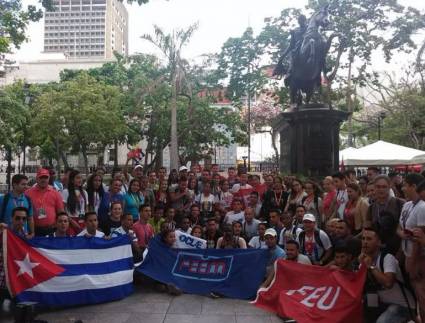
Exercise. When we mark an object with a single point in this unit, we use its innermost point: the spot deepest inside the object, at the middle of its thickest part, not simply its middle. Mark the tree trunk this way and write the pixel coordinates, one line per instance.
(86, 160)
(64, 159)
(147, 152)
(9, 167)
(174, 150)
(274, 134)
(115, 154)
(349, 107)
(24, 160)
(158, 158)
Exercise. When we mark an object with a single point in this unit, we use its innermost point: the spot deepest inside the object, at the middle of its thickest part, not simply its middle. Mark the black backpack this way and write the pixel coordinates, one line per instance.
(301, 239)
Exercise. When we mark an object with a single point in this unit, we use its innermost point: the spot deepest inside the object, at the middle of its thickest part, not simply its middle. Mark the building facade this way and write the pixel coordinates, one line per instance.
(86, 28)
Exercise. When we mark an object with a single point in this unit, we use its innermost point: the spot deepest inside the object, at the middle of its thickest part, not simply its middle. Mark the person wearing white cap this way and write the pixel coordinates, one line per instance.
(314, 243)
(183, 170)
(275, 252)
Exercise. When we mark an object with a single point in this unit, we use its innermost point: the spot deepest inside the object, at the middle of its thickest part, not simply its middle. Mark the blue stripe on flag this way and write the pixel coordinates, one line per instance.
(98, 268)
(83, 297)
(78, 242)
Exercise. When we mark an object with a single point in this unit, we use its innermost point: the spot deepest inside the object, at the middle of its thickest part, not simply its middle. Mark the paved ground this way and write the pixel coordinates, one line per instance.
(148, 306)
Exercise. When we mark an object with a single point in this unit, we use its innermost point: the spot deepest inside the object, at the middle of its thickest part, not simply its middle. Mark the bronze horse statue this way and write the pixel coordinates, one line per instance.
(308, 60)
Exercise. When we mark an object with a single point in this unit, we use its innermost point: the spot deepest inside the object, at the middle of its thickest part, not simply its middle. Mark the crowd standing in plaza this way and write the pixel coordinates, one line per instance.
(342, 222)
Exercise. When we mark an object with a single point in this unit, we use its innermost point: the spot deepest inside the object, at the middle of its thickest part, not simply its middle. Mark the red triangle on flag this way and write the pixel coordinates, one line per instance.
(24, 266)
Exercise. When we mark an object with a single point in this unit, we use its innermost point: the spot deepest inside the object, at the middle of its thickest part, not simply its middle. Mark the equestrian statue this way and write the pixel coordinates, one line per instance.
(308, 49)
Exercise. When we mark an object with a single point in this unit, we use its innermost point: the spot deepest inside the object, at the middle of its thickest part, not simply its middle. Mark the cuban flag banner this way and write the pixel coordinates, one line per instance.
(234, 273)
(67, 271)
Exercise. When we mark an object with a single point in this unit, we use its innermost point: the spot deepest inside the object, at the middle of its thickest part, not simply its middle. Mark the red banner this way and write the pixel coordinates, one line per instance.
(316, 294)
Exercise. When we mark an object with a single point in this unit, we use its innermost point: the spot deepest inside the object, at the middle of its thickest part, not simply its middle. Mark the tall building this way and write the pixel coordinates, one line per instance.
(86, 28)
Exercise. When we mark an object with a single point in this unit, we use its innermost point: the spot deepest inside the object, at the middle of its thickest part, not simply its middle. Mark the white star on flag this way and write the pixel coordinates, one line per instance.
(26, 266)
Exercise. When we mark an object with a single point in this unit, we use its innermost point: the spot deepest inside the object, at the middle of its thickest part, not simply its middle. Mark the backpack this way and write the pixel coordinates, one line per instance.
(405, 285)
(301, 239)
(6, 201)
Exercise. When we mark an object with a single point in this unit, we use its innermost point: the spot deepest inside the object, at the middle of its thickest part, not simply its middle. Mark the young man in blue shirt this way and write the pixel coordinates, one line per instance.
(14, 199)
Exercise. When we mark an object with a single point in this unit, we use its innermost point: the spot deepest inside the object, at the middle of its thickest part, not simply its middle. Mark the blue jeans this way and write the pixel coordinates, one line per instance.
(394, 314)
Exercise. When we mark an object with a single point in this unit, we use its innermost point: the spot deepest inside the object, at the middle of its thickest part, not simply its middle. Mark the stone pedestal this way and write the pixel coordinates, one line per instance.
(309, 140)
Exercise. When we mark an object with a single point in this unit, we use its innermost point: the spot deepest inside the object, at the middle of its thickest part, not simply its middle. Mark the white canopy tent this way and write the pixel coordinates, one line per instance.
(383, 153)
(346, 153)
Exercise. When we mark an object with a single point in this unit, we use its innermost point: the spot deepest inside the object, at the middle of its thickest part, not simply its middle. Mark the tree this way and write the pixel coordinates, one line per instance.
(263, 113)
(171, 46)
(13, 121)
(80, 114)
(403, 101)
(240, 62)
(365, 26)
(14, 20)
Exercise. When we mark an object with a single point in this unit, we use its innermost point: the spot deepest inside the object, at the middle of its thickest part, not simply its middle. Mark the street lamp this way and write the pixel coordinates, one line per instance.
(381, 118)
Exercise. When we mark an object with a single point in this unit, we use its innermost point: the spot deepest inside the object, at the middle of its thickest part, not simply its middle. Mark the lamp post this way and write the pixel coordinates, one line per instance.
(381, 118)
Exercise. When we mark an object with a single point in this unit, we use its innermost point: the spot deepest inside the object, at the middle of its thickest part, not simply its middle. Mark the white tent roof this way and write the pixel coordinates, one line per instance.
(383, 153)
(346, 153)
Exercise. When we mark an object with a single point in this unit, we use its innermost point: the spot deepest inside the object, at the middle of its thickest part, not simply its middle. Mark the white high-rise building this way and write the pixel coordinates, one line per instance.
(86, 28)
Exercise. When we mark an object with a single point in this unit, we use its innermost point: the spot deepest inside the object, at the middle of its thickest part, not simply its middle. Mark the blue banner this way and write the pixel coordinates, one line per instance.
(234, 273)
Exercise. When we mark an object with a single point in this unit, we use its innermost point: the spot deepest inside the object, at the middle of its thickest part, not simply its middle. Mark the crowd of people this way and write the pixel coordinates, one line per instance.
(342, 222)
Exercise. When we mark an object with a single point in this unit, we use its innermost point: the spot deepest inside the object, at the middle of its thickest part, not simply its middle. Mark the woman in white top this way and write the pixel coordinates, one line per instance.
(75, 199)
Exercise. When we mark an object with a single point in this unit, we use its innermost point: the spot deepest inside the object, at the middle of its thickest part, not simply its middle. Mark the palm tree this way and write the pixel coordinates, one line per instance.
(171, 46)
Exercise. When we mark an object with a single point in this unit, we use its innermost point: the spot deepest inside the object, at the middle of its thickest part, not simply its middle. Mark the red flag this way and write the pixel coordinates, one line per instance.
(24, 266)
(316, 294)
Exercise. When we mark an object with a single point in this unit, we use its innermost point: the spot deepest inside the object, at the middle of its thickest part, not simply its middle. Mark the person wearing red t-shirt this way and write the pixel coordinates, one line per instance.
(143, 230)
(330, 193)
(46, 202)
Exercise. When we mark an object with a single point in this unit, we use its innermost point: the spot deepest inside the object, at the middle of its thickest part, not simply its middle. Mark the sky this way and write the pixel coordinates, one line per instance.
(218, 20)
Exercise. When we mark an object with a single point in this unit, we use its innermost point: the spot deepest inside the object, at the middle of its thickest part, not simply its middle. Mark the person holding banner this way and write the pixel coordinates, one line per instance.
(196, 231)
(168, 237)
(212, 234)
(62, 226)
(91, 225)
(292, 250)
(275, 252)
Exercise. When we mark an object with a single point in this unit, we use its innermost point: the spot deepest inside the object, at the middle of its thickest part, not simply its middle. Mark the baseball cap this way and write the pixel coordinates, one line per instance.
(271, 232)
(138, 166)
(42, 172)
(182, 168)
(309, 217)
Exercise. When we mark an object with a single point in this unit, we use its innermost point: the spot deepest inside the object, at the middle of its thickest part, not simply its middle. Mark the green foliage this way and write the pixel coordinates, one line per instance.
(13, 115)
(79, 114)
(239, 62)
(14, 20)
